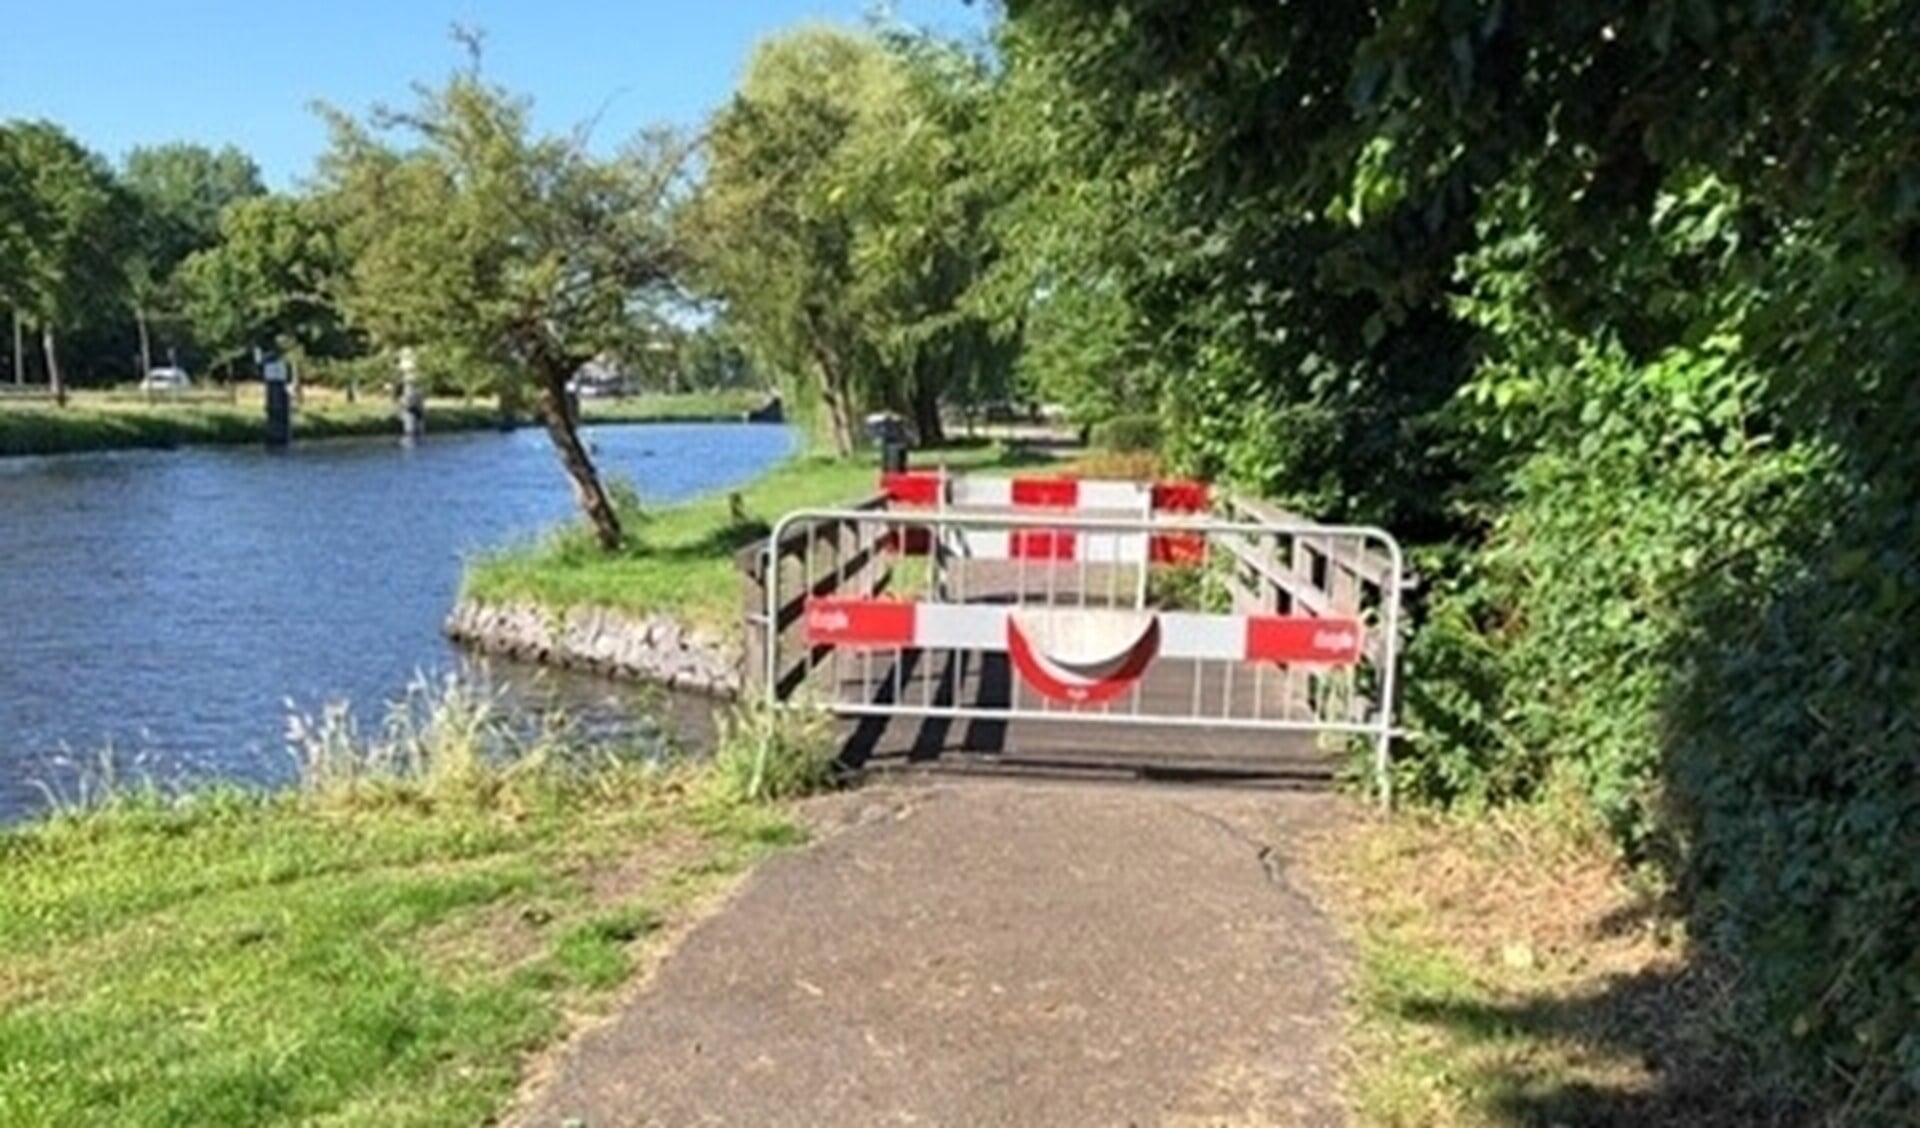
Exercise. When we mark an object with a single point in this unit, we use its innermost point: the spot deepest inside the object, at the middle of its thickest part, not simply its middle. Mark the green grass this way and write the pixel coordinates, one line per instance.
(679, 560)
(680, 406)
(381, 949)
(118, 420)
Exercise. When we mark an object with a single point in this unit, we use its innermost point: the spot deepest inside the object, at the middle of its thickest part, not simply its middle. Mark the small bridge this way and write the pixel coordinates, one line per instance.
(1061, 624)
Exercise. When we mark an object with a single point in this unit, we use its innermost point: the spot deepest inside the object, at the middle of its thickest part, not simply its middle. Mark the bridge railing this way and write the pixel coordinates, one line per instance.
(1293, 567)
(839, 558)
(980, 600)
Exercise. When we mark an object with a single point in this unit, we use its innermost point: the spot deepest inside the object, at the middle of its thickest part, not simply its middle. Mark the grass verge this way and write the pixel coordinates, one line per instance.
(679, 560)
(120, 421)
(1512, 972)
(389, 945)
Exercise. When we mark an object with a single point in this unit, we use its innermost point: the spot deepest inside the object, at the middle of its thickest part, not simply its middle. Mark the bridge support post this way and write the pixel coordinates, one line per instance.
(753, 563)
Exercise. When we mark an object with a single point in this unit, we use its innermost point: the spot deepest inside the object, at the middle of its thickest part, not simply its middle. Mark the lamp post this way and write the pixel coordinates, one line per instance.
(413, 406)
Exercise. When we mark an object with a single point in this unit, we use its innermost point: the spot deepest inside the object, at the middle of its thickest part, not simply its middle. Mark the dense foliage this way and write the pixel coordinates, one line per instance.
(1617, 305)
(62, 236)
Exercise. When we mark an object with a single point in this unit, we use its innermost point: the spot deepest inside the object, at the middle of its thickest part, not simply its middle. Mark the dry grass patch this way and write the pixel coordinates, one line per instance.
(1513, 972)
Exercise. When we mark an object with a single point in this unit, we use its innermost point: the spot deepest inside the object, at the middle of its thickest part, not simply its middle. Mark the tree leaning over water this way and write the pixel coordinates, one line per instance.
(486, 244)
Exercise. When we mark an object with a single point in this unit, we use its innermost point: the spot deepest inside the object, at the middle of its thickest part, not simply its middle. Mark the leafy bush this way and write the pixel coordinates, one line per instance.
(1698, 607)
(1128, 433)
(1562, 294)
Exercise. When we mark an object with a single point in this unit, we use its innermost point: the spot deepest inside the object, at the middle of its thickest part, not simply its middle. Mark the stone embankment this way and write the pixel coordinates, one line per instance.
(652, 648)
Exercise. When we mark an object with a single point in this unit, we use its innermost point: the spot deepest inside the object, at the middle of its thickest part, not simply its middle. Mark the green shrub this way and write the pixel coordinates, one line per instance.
(1127, 433)
(1697, 607)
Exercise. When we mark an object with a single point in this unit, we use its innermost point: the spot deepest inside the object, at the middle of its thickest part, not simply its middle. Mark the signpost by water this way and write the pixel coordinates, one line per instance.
(273, 374)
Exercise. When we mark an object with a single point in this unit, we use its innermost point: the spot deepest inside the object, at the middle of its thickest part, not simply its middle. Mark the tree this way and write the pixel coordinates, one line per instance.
(269, 281)
(182, 191)
(71, 225)
(478, 240)
(14, 205)
(840, 222)
(925, 239)
(773, 228)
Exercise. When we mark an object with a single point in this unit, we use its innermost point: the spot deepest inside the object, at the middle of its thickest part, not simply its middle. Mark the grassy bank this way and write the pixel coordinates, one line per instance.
(395, 943)
(1511, 972)
(118, 420)
(679, 559)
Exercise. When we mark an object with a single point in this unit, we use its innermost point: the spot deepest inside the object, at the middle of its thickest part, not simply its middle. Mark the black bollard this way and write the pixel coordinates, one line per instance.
(279, 403)
(893, 456)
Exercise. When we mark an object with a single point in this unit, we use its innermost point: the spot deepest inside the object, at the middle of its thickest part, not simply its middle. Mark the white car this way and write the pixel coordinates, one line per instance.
(166, 380)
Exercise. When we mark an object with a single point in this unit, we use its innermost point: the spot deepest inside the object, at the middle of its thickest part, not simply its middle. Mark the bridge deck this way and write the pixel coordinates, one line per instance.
(1065, 739)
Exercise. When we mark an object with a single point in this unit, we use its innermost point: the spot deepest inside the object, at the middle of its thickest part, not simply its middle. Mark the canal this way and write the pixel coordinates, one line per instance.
(159, 609)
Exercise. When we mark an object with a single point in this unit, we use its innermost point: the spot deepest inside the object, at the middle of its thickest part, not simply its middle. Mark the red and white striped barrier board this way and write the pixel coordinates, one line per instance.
(1059, 545)
(1056, 545)
(1082, 655)
(928, 489)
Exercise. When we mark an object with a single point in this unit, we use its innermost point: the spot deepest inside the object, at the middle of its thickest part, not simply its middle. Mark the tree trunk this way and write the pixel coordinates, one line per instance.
(19, 352)
(834, 398)
(579, 465)
(926, 409)
(839, 423)
(54, 379)
(146, 343)
(834, 395)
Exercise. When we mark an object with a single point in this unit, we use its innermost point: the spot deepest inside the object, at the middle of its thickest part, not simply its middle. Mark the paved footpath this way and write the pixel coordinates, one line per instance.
(980, 952)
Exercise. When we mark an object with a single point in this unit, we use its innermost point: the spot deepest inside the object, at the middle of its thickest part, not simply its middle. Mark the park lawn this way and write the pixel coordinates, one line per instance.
(125, 420)
(391, 958)
(679, 560)
(672, 407)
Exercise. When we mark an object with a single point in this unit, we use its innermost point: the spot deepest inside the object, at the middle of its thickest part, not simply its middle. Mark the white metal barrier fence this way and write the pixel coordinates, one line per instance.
(1181, 621)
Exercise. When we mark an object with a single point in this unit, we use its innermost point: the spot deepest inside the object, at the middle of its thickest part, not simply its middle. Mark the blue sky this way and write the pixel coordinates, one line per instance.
(120, 73)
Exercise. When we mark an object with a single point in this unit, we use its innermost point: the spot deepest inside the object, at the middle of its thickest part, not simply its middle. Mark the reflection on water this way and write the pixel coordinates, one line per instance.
(168, 605)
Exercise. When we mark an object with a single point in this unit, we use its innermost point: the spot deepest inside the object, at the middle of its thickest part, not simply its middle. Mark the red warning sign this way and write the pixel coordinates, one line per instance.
(1334, 642)
(859, 623)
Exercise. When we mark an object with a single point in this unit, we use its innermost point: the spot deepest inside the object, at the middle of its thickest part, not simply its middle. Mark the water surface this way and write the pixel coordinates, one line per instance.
(166, 604)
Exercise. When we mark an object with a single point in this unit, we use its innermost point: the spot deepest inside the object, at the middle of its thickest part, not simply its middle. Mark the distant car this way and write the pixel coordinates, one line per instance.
(166, 380)
(603, 386)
